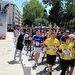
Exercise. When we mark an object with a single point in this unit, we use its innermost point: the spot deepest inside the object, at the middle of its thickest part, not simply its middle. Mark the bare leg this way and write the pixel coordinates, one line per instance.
(37, 55)
(27, 48)
(15, 54)
(20, 55)
(71, 71)
(49, 69)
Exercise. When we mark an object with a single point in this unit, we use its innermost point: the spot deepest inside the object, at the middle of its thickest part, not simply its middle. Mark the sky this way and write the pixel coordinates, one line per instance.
(19, 4)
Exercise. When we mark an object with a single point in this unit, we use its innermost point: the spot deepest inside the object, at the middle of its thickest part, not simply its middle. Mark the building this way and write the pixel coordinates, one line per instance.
(74, 2)
(14, 16)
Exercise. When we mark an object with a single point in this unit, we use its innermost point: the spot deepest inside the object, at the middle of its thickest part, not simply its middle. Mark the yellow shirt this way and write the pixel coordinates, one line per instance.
(67, 51)
(51, 44)
(72, 49)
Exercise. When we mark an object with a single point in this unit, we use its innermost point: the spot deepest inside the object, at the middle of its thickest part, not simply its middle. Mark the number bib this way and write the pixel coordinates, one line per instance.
(37, 44)
(51, 48)
(66, 52)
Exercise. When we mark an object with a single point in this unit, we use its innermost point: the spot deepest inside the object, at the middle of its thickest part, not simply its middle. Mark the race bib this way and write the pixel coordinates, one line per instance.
(66, 52)
(51, 48)
(37, 43)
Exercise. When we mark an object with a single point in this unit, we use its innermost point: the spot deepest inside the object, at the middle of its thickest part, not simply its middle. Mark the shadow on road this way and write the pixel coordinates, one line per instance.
(31, 58)
(58, 68)
(13, 62)
(43, 72)
(42, 63)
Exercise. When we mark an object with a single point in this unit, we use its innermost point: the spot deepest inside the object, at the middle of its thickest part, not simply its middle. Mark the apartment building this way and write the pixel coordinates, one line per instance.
(14, 16)
(73, 2)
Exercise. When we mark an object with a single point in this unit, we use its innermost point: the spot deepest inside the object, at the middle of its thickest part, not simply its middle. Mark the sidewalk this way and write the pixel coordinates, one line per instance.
(7, 48)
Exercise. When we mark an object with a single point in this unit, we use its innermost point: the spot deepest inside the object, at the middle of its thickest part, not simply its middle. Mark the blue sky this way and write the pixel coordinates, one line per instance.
(19, 3)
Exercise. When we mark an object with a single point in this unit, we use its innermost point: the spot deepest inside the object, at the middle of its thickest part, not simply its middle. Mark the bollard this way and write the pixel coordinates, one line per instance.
(27, 70)
(27, 67)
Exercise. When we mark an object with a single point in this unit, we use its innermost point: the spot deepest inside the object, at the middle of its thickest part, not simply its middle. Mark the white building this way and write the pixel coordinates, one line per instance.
(14, 16)
(73, 2)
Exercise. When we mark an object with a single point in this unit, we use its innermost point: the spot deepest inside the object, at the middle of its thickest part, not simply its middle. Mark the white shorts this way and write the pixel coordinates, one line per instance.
(37, 49)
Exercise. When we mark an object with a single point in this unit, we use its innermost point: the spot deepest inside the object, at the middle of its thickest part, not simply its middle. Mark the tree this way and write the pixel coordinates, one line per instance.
(32, 10)
(61, 13)
(51, 2)
(1, 0)
(41, 21)
(54, 13)
(69, 7)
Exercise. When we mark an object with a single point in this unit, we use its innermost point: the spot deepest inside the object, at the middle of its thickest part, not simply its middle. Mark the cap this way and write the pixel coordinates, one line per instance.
(71, 36)
(67, 31)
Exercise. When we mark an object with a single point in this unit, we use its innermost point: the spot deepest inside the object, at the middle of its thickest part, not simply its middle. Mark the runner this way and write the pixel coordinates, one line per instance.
(37, 41)
(51, 48)
(27, 42)
(65, 34)
(19, 45)
(72, 45)
(67, 56)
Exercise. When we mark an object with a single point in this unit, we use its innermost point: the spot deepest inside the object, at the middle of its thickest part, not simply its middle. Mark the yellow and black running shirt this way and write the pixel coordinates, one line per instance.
(51, 45)
(67, 51)
(72, 49)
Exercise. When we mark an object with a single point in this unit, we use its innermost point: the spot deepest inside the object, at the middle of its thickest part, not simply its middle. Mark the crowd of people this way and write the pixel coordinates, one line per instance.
(53, 43)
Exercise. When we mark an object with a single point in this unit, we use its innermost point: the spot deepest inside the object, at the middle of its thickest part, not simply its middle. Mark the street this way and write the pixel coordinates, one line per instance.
(7, 67)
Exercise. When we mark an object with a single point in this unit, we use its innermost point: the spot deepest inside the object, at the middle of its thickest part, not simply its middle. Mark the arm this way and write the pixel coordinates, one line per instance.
(57, 29)
(50, 27)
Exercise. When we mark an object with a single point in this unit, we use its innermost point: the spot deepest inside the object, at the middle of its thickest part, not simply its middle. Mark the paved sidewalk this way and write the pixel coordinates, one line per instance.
(7, 66)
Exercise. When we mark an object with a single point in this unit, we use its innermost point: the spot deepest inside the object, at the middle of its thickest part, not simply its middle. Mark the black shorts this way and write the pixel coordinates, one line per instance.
(19, 46)
(27, 42)
(71, 63)
(51, 59)
(66, 63)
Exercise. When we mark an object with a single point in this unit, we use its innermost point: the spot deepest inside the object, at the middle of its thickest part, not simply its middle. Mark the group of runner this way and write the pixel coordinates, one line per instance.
(53, 43)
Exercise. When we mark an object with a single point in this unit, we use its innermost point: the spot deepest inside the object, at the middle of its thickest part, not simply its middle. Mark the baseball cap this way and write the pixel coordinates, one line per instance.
(71, 36)
(67, 31)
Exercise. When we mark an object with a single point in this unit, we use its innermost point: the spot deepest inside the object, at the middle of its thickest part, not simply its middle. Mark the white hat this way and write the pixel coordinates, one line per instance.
(72, 36)
(67, 31)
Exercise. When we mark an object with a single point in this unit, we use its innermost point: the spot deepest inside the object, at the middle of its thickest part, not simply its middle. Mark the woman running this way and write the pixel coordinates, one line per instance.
(37, 41)
(67, 56)
(51, 48)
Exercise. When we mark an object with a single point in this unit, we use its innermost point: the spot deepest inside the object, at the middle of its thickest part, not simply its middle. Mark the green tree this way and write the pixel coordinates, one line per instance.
(51, 2)
(61, 13)
(54, 12)
(32, 10)
(1, 0)
(69, 7)
(41, 21)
